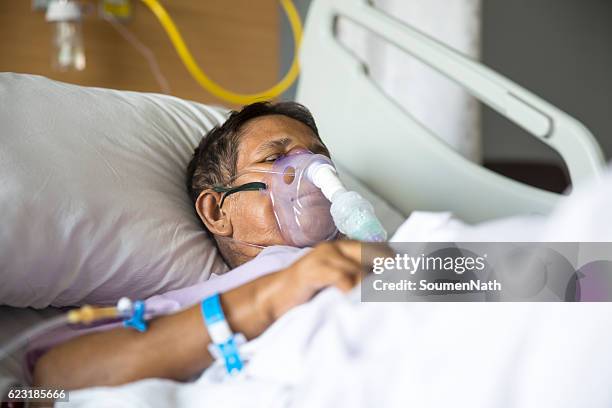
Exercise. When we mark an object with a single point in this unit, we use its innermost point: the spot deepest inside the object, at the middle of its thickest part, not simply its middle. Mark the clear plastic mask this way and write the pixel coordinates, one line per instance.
(301, 210)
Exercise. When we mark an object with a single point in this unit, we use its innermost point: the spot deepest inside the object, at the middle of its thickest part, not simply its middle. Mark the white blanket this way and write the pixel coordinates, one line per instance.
(336, 351)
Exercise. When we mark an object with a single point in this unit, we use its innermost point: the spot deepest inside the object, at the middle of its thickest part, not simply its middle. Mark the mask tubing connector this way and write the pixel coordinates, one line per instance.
(353, 215)
(324, 176)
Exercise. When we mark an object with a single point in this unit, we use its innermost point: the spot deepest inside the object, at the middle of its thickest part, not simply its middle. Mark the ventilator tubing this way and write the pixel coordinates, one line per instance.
(353, 215)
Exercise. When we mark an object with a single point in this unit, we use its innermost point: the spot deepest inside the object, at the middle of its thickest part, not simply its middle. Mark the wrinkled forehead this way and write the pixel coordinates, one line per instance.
(272, 134)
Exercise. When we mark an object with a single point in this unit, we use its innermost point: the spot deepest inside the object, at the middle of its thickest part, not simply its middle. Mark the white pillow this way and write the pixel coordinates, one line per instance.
(92, 194)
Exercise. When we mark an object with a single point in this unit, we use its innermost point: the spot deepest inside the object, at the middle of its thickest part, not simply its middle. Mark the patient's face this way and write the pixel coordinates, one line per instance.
(264, 140)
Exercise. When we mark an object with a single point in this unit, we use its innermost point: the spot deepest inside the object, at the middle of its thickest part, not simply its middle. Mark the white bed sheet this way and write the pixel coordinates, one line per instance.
(335, 352)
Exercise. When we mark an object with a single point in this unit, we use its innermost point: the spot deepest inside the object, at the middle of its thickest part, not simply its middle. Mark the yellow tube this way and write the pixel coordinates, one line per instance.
(211, 86)
(89, 314)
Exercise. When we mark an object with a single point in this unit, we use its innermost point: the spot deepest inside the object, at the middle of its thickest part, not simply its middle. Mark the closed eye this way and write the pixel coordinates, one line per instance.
(272, 158)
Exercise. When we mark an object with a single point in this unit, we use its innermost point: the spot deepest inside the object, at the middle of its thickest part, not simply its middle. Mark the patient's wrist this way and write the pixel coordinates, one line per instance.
(248, 308)
(265, 294)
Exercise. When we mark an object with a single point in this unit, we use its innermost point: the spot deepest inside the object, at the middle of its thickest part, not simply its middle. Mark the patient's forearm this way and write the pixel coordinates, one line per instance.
(173, 347)
(123, 355)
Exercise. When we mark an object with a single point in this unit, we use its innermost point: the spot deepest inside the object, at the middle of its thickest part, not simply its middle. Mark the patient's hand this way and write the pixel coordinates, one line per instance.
(335, 263)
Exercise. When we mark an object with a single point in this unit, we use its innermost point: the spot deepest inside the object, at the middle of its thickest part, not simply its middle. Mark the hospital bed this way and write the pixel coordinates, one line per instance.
(398, 158)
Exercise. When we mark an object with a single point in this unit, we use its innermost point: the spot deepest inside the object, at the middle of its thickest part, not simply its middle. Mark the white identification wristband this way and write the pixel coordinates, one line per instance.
(224, 344)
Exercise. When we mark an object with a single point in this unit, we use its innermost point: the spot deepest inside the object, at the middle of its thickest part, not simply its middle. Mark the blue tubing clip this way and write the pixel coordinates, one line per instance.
(137, 319)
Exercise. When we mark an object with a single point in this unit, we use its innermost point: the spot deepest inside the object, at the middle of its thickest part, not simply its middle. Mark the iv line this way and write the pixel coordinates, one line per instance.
(83, 315)
(211, 86)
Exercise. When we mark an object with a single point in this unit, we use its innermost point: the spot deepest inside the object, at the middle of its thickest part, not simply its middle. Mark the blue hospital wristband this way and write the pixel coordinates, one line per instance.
(224, 343)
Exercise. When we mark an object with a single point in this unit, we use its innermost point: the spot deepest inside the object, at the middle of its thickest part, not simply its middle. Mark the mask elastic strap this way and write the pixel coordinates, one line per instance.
(227, 191)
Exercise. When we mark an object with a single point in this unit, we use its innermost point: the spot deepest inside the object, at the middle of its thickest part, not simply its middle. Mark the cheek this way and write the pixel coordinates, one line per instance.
(254, 219)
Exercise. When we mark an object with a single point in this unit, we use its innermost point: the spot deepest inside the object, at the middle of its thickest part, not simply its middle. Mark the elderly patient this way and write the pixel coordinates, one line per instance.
(242, 222)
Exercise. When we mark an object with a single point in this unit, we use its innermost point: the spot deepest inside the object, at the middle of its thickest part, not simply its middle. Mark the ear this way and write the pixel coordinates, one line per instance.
(216, 220)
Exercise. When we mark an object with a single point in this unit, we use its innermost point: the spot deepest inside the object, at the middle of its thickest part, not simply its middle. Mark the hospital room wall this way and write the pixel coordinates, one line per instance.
(562, 51)
(237, 45)
(559, 49)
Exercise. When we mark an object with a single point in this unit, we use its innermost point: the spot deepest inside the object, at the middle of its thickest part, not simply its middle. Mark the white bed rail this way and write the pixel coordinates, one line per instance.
(400, 158)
